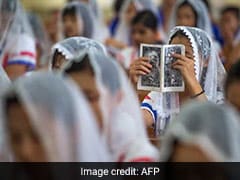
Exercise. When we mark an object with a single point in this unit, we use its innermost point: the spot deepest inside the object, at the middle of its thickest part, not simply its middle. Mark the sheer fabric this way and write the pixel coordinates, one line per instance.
(212, 128)
(60, 116)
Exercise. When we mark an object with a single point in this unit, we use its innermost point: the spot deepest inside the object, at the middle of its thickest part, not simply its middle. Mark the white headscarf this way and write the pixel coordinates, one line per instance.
(84, 15)
(123, 123)
(214, 129)
(14, 23)
(73, 46)
(203, 19)
(90, 23)
(60, 116)
(209, 71)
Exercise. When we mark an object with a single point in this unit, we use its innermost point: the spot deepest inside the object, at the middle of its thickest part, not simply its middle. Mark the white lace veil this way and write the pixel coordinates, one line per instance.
(209, 72)
(123, 123)
(203, 20)
(208, 66)
(214, 129)
(73, 46)
(60, 116)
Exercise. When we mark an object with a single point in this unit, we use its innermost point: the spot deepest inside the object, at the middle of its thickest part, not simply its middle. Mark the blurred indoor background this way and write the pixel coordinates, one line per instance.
(44, 6)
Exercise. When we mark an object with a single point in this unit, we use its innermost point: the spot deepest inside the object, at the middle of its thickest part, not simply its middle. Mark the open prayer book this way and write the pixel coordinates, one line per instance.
(162, 77)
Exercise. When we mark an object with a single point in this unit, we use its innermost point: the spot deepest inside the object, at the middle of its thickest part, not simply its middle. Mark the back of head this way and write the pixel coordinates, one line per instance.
(212, 128)
(100, 65)
(72, 47)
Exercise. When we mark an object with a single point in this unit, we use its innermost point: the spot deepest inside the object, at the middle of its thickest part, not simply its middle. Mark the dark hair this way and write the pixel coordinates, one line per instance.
(69, 11)
(233, 75)
(231, 9)
(179, 33)
(186, 3)
(10, 100)
(54, 57)
(80, 66)
(9, 6)
(147, 18)
(117, 5)
(110, 77)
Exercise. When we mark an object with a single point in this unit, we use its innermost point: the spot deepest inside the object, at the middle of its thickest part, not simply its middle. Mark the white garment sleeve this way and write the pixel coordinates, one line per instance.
(22, 51)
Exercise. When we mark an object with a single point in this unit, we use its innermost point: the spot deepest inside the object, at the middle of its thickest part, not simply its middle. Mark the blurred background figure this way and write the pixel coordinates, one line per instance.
(98, 18)
(190, 13)
(117, 5)
(214, 22)
(129, 9)
(230, 29)
(53, 123)
(93, 5)
(143, 29)
(197, 135)
(17, 44)
(232, 85)
(165, 11)
(77, 19)
(43, 43)
(51, 24)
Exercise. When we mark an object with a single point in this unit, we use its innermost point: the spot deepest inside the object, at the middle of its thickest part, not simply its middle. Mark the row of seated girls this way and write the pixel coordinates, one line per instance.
(85, 107)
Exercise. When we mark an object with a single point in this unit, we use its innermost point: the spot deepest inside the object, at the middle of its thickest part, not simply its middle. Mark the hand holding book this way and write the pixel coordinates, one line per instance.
(162, 77)
(138, 67)
(186, 66)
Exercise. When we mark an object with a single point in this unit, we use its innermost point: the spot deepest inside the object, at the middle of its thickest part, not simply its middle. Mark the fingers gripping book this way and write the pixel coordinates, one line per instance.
(162, 77)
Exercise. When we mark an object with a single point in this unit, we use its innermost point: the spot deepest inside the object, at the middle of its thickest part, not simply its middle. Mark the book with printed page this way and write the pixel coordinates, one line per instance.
(162, 77)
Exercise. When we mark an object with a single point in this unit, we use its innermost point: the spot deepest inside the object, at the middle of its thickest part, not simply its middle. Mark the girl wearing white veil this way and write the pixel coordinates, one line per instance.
(46, 119)
(198, 15)
(202, 71)
(115, 105)
(77, 19)
(67, 49)
(17, 46)
(193, 13)
(203, 132)
(128, 10)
